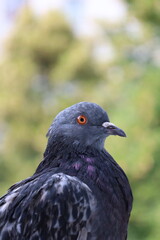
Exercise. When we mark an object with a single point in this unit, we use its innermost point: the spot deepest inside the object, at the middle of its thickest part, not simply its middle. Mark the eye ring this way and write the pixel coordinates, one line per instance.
(82, 119)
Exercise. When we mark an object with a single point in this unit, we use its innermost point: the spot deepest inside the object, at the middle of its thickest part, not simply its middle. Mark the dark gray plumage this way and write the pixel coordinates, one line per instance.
(78, 191)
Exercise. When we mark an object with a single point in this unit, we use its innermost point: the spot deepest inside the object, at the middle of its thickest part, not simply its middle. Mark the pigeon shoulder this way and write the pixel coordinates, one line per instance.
(62, 204)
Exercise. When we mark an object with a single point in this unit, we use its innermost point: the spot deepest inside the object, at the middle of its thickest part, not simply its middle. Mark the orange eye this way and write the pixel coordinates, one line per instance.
(82, 119)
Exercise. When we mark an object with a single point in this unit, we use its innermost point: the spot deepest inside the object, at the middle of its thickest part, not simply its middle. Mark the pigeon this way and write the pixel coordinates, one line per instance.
(78, 191)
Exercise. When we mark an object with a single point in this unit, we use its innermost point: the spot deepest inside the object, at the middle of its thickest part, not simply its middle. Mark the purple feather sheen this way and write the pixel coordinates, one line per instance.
(77, 165)
(91, 171)
(88, 159)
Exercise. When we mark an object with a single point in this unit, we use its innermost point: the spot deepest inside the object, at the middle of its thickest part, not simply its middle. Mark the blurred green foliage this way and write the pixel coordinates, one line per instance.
(47, 68)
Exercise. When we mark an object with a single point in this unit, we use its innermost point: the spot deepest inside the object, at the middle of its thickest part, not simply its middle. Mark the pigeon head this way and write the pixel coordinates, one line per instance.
(84, 124)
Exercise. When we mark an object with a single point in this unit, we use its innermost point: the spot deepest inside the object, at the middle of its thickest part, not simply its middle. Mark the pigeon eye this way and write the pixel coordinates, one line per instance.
(82, 119)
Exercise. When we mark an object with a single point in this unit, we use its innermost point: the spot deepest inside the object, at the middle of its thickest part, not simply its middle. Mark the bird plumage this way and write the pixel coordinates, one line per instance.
(78, 191)
(27, 211)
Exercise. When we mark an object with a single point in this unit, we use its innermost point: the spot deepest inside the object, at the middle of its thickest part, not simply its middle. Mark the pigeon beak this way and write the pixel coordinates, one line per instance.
(113, 130)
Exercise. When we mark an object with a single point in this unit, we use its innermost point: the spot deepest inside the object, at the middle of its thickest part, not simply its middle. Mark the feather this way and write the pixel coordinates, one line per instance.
(62, 206)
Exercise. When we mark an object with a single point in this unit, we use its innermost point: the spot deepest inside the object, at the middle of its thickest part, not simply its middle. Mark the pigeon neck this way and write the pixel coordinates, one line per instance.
(58, 151)
(61, 149)
(60, 146)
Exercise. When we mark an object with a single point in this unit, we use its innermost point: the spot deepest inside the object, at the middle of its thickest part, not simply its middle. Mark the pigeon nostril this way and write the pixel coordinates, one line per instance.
(111, 127)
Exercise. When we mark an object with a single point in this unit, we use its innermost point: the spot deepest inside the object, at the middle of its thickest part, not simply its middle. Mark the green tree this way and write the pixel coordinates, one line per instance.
(44, 63)
(135, 78)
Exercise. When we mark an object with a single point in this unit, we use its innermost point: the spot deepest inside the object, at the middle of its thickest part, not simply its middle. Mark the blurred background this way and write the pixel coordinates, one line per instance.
(55, 53)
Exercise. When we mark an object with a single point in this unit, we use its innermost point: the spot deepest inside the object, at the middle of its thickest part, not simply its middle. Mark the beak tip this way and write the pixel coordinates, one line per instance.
(122, 134)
